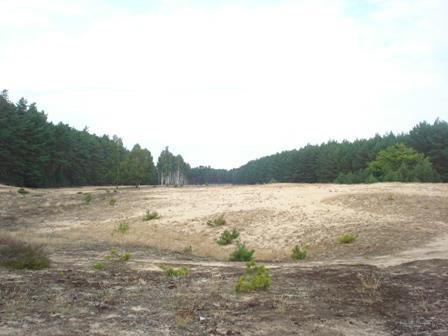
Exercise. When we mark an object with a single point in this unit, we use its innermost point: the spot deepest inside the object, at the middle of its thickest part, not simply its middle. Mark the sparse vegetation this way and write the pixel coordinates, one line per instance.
(218, 221)
(255, 278)
(99, 266)
(299, 253)
(188, 250)
(227, 237)
(176, 272)
(87, 198)
(20, 255)
(150, 215)
(116, 255)
(241, 253)
(122, 227)
(347, 238)
(23, 191)
(112, 202)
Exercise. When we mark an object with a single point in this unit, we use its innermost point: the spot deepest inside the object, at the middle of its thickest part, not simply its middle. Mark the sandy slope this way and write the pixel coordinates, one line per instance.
(388, 218)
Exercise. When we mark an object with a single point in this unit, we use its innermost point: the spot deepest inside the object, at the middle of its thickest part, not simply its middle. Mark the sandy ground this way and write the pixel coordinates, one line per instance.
(387, 218)
(390, 281)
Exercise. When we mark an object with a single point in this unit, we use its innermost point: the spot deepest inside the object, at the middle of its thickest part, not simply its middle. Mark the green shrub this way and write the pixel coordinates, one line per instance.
(218, 221)
(347, 238)
(23, 192)
(99, 266)
(116, 255)
(188, 249)
(19, 255)
(112, 202)
(298, 253)
(150, 215)
(87, 198)
(241, 253)
(176, 272)
(125, 256)
(122, 227)
(254, 278)
(227, 237)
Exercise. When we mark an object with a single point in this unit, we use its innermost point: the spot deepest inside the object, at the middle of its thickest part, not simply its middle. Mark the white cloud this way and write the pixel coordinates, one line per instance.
(228, 83)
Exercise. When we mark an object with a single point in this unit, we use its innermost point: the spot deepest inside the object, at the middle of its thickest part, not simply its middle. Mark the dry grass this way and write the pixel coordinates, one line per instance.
(21, 255)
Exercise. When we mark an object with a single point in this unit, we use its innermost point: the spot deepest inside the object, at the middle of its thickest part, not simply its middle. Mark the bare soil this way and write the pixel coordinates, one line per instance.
(390, 281)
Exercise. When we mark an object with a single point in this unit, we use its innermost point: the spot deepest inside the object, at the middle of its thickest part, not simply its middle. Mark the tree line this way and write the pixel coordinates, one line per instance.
(420, 155)
(37, 153)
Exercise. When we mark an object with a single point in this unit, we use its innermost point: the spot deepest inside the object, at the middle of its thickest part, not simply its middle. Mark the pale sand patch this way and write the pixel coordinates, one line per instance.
(387, 217)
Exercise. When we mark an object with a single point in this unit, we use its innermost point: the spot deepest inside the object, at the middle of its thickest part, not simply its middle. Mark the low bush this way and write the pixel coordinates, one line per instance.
(112, 202)
(176, 272)
(346, 238)
(188, 249)
(23, 192)
(87, 198)
(116, 255)
(227, 237)
(218, 221)
(298, 253)
(150, 215)
(99, 266)
(122, 227)
(241, 253)
(20, 255)
(254, 278)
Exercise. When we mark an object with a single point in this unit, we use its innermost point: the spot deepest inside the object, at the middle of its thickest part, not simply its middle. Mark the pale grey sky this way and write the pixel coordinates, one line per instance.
(224, 82)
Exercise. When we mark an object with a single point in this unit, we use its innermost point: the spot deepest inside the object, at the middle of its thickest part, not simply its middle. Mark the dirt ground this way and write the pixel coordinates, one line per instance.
(390, 281)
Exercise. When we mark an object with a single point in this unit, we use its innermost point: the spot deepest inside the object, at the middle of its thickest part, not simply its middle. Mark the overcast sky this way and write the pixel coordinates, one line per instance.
(224, 82)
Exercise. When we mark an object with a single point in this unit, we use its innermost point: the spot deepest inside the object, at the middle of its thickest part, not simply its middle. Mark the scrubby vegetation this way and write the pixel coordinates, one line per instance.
(99, 266)
(188, 250)
(150, 215)
(23, 191)
(218, 221)
(122, 227)
(112, 202)
(241, 253)
(87, 198)
(20, 255)
(254, 278)
(227, 237)
(176, 272)
(116, 255)
(347, 238)
(299, 253)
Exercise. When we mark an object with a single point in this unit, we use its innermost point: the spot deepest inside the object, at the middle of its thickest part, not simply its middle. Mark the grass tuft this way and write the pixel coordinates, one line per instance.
(99, 266)
(218, 221)
(176, 272)
(122, 227)
(150, 215)
(347, 238)
(116, 255)
(23, 191)
(298, 253)
(87, 198)
(16, 254)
